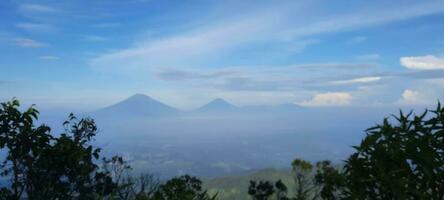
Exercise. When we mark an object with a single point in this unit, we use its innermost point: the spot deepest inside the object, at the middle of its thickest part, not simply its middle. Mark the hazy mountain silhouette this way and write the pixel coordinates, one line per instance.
(138, 105)
(218, 105)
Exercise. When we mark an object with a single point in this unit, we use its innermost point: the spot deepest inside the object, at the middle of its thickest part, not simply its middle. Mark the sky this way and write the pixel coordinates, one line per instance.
(87, 54)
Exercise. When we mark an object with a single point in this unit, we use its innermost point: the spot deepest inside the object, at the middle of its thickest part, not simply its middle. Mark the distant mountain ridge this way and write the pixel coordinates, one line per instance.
(140, 105)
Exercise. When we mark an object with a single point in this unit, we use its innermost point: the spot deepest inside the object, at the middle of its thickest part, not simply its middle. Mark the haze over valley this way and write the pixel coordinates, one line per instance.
(220, 138)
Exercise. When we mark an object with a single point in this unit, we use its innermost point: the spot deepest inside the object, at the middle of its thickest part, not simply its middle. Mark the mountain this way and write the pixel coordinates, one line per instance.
(138, 105)
(218, 105)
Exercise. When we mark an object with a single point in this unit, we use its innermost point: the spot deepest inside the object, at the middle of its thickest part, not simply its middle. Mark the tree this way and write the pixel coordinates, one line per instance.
(404, 160)
(329, 181)
(264, 190)
(41, 166)
(281, 190)
(261, 190)
(182, 188)
(129, 187)
(25, 143)
(303, 179)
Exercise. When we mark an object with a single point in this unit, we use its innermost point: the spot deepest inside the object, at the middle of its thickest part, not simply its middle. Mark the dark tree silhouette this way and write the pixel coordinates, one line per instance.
(182, 188)
(281, 190)
(329, 181)
(262, 190)
(404, 160)
(42, 166)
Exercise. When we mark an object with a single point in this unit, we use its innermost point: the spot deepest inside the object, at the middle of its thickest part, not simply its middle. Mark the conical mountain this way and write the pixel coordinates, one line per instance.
(138, 105)
(217, 105)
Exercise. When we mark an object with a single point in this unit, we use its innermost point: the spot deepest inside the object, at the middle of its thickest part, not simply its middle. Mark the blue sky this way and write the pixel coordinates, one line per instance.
(89, 53)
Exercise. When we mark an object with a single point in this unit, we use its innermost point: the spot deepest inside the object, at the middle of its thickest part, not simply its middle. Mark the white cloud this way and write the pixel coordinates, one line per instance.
(335, 65)
(49, 57)
(36, 27)
(428, 62)
(28, 43)
(359, 80)
(35, 8)
(329, 99)
(412, 97)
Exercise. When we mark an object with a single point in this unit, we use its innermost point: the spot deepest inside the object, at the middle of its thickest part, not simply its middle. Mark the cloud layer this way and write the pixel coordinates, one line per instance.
(428, 62)
(221, 39)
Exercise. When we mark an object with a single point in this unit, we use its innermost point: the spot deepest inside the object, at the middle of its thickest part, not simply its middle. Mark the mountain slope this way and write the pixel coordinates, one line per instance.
(218, 105)
(138, 105)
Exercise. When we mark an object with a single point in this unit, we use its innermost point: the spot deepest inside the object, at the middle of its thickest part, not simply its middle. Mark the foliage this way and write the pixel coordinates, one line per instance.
(41, 166)
(303, 179)
(311, 182)
(236, 187)
(261, 190)
(128, 186)
(329, 181)
(281, 190)
(31, 151)
(400, 161)
(404, 160)
(182, 188)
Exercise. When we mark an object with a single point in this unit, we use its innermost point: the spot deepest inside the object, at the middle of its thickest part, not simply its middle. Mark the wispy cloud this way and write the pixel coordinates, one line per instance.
(335, 65)
(381, 14)
(300, 77)
(28, 43)
(359, 80)
(49, 57)
(35, 8)
(36, 27)
(357, 40)
(197, 45)
(428, 62)
(176, 74)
